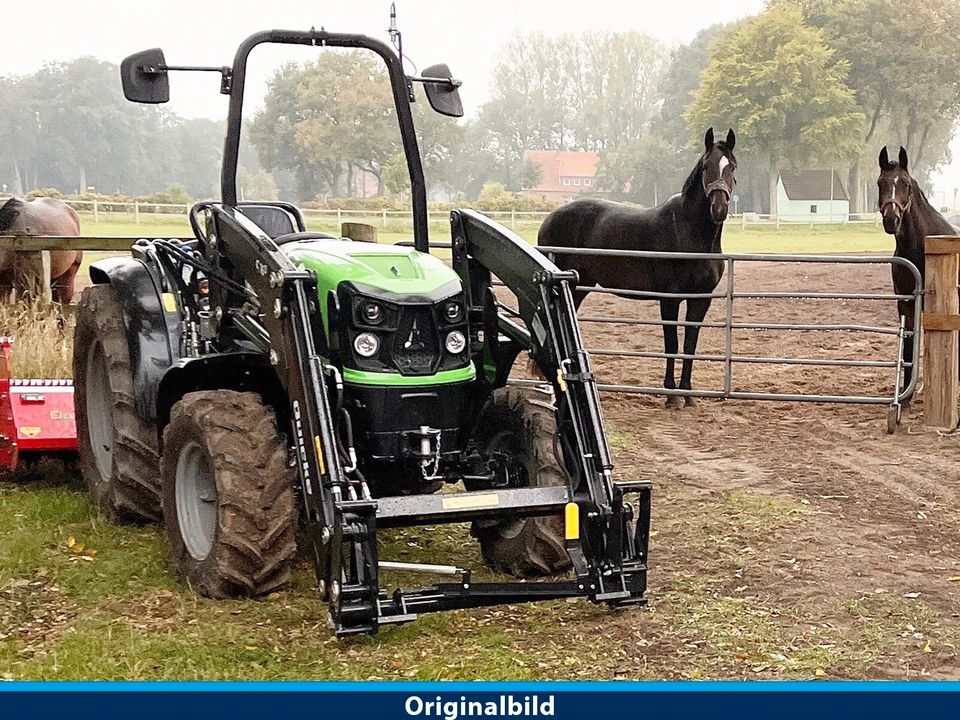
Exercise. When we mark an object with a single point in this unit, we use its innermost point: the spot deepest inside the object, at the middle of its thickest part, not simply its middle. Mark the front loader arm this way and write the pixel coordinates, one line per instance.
(550, 334)
(611, 553)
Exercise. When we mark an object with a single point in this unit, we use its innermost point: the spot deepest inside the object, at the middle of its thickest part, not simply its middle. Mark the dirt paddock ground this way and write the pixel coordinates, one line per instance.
(856, 518)
(790, 540)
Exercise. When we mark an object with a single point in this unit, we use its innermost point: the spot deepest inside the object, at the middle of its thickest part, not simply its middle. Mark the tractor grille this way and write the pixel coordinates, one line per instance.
(416, 347)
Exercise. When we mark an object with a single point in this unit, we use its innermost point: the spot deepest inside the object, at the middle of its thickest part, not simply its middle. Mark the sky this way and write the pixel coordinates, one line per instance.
(465, 35)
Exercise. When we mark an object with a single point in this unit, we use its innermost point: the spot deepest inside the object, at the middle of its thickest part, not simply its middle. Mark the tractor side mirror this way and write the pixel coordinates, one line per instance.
(443, 96)
(144, 77)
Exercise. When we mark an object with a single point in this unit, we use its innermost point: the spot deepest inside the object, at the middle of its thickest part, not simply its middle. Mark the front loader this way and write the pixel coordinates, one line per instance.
(261, 375)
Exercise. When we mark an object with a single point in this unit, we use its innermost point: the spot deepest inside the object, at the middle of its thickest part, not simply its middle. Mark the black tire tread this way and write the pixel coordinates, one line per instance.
(255, 539)
(132, 493)
(539, 548)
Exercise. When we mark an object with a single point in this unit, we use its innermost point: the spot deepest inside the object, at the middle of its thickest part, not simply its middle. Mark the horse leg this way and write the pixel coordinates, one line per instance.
(905, 308)
(669, 312)
(696, 312)
(63, 287)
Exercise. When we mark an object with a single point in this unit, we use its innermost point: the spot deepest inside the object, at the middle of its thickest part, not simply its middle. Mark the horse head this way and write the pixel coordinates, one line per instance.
(719, 166)
(895, 190)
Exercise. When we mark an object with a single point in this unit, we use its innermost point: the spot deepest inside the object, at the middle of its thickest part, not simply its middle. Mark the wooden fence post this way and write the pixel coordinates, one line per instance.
(941, 321)
(360, 232)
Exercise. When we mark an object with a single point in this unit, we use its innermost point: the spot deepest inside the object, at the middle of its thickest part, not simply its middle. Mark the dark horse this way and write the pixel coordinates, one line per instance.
(909, 217)
(689, 222)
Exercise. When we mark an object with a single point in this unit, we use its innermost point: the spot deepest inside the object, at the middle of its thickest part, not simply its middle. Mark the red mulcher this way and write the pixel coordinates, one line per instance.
(36, 416)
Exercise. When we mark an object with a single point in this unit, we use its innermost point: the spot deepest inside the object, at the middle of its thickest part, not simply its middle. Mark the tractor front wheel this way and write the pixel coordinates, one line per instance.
(521, 423)
(228, 501)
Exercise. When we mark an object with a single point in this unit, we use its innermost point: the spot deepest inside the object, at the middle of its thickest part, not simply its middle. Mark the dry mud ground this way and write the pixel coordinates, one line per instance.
(811, 511)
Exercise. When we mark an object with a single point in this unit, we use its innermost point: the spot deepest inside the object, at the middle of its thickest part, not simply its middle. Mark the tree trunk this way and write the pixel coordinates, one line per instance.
(17, 179)
(83, 179)
(853, 187)
(774, 176)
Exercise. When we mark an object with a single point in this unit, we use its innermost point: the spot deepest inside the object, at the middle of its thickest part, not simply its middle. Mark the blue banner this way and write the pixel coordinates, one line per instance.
(460, 701)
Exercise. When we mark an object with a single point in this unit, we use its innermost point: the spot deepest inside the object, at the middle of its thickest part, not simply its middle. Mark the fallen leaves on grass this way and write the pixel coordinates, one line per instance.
(78, 552)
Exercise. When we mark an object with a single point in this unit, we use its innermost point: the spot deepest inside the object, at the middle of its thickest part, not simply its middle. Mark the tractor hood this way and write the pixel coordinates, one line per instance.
(412, 276)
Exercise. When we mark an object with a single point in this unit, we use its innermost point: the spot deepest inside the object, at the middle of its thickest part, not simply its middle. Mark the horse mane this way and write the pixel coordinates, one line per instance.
(694, 179)
(9, 212)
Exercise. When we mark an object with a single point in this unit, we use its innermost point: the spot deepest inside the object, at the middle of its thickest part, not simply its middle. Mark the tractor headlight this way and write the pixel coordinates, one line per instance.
(366, 344)
(455, 342)
(372, 313)
(451, 311)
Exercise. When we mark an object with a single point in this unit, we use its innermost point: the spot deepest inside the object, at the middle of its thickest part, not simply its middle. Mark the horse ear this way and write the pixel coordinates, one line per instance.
(731, 139)
(902, 159)
(708, 139)
(884, 158)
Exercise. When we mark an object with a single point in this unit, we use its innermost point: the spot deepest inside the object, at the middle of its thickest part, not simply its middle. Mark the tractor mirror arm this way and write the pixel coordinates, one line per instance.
(451, 83)
(226, 73)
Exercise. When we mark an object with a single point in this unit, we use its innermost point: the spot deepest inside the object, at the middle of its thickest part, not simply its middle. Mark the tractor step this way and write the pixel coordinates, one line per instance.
(406, 510)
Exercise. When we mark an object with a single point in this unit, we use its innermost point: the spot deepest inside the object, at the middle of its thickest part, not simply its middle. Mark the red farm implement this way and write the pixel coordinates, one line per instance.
(36, 417)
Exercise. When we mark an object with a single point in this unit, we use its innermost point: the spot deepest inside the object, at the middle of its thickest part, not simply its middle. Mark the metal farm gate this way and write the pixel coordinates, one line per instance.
(729, 295)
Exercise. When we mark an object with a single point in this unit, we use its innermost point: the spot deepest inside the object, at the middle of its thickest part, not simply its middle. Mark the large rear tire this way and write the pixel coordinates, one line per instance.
(118, 450)
(522, 423)
(228, 500)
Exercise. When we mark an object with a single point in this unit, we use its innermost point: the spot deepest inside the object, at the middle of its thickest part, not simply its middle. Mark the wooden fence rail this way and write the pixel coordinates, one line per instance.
(37, 243)
(31, 264)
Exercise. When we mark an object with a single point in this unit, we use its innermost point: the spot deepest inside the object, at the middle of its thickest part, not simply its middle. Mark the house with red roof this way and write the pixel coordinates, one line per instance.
(563, 173)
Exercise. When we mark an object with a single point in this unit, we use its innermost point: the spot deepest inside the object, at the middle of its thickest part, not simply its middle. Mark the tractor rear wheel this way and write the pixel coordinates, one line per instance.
(228, 500)
(522, 423)
(118, 450)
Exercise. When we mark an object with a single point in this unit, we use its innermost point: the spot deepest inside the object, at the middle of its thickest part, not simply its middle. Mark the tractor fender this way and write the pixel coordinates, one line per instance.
(241, 371)
(153, 334)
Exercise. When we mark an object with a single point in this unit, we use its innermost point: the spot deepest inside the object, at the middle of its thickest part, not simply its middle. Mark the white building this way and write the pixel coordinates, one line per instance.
(812, 196)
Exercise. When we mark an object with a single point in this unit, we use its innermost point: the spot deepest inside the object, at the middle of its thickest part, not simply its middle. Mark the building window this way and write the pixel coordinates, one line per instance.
(566, 181)
(586, 182)
(813, 209)
(576, 181)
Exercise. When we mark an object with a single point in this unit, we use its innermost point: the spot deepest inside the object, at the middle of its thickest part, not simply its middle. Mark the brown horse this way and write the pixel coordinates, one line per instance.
(42, 216)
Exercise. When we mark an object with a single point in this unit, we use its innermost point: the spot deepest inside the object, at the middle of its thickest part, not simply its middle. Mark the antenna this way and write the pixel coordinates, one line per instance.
(395, 37)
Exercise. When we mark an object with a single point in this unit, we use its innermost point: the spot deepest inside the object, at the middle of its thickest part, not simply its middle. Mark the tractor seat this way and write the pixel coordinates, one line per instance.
(302, 236)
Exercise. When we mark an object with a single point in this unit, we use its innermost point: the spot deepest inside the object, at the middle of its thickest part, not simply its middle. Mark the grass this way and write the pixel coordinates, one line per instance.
(81, 598)
(42, 346)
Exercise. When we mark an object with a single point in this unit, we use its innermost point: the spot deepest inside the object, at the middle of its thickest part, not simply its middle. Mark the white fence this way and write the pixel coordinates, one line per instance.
(104, 209)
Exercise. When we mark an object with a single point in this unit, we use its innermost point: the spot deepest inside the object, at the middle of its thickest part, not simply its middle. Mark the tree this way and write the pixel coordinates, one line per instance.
(903, 69)
(395, 175)
(667, 154)
(347, 111)
(531, 174)
(593, 92)
(776, 82)
(273, 132)
(256, 185)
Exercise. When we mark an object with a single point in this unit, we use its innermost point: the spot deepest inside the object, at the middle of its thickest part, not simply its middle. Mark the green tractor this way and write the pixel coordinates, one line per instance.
(259, 377)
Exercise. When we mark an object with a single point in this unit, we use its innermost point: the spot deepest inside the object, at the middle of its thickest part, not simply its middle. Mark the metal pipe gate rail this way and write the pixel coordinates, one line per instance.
(730, 295)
